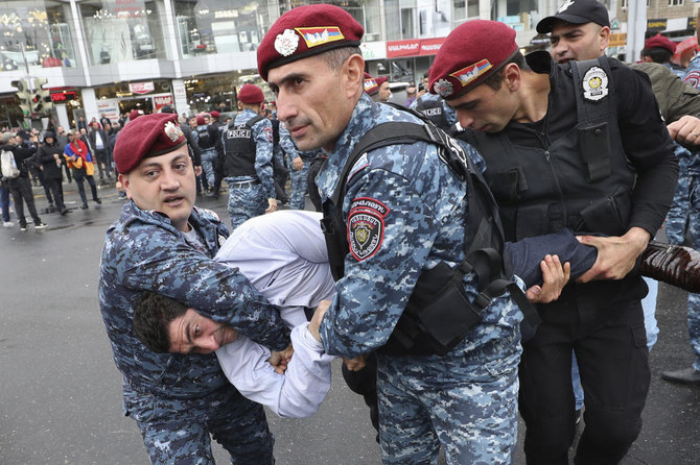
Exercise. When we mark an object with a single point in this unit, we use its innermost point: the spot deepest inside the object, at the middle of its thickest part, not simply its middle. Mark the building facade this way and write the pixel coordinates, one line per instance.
(103, 58)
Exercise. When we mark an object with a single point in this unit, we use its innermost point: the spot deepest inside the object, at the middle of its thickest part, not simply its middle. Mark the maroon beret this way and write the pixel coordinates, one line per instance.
(472, 52)
(306, 31)
(250, 93)
(134, 114)
(659, 41)
(150, 136)
(201, 121)
(371, 86)
(215, 114)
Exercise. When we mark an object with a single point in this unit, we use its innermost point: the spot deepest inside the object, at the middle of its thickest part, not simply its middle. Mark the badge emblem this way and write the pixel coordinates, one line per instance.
(287, 42)
(595, 84)
(565, 5)
(173, 131)
(443, 88)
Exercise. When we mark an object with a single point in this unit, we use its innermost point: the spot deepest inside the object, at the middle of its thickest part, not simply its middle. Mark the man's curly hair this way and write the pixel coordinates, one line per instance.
(152, 315)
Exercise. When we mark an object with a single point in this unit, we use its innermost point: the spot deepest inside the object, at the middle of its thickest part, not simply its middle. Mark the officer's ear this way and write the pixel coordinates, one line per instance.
(354, 68)
(604, 37)
(511, 77)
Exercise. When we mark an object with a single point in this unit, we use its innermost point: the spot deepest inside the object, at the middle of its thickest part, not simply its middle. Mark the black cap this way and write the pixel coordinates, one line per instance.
(576, 12)
(167, 109)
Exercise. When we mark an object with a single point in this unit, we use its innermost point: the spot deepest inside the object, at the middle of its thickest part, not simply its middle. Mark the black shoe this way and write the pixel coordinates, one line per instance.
(40, 226)
(65, 211)
(84, 206)
(51, 209)
(684, 376)
(98, 201)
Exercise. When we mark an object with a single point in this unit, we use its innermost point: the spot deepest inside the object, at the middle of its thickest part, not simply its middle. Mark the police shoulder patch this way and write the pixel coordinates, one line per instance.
(366, 227)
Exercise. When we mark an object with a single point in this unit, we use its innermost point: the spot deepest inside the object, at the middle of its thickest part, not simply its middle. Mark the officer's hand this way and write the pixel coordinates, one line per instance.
(616, 255)
(357, 363)
(685, 131)
(297, 164)
(197, 170)
(271, 205)
(554, 278)
(315, 323)
(280, 360)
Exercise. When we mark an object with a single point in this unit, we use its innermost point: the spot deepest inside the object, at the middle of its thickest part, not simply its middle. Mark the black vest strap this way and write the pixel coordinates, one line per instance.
(593, 115)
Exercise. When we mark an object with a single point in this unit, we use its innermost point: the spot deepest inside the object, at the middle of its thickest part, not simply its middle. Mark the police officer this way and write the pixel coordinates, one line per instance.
(610, 170)
(248, 152)
(684, 219)
(161, 243)
(403, 213)
(208, 150)
(216, 129)
(434, 108)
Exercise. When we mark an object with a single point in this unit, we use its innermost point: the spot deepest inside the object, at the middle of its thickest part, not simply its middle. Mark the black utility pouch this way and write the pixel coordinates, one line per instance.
(441, 310)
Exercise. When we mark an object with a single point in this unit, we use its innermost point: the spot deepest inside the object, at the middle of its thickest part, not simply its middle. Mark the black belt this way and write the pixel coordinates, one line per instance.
(245, 184)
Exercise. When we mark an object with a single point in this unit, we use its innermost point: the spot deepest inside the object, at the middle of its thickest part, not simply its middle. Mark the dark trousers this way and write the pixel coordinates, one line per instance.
(21, 189)
(79, 177)
(102, 162)
(5, 203)
(614, 363)
(56, 188)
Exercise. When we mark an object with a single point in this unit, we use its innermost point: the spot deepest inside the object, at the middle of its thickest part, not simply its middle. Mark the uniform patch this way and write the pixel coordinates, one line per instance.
(443, 87)
(269, 134)
(370, 84)
(595, 84)
(366, 227)
(693, 78)
(315, 36)
(471, 72)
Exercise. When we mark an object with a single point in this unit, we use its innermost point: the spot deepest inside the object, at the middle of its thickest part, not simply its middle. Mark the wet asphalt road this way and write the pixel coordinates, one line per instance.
(60, 401)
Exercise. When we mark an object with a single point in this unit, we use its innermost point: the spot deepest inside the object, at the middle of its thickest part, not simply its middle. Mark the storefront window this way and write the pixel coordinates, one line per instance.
(37, 33)
(123, 30)
(218, 26)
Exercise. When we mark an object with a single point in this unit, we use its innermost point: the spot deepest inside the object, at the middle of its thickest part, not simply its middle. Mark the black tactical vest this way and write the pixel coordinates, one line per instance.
(582, 181)
(434, 111)
(239, 148)
(438, 315)
(205, 141)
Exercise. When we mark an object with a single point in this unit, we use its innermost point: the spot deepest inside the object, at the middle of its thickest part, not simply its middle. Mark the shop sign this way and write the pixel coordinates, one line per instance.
(373, 50)
(656, 25)
(142, 87)
(402, 48)
(431, 46)
(617, 40)
(692, 22)
(108, 108)
(414, 47)
(63, 97)
(163, 101)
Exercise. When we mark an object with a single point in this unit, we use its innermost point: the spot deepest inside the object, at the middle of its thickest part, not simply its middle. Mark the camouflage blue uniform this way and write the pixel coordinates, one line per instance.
(683, 216)
(467, 400)
(251, 200)
(179, 400)
(299, 185)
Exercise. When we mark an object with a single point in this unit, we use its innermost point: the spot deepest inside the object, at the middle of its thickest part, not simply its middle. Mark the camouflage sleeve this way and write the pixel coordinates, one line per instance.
(154, 259)
(263, 156)
(287, 144)
(391, 233)
(450, 114)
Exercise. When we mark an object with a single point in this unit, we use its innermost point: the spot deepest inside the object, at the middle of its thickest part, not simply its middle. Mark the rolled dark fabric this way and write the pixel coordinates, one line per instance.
(672, 264)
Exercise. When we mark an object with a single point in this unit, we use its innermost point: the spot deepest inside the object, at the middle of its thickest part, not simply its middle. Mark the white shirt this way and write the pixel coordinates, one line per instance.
(284, 255)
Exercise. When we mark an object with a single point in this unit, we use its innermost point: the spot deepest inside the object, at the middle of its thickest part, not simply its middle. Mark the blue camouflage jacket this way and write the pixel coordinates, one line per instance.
(405, 211)
(144, 251)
